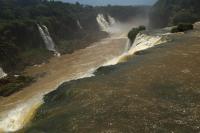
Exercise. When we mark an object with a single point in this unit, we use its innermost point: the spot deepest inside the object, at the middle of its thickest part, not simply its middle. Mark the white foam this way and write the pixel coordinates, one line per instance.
(2, 73)
(17, 118)
(111, 20)
(103, 23)
(142, 42)
(107, 25)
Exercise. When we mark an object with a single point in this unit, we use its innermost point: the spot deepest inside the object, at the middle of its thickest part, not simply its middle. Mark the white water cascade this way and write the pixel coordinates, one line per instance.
(16, 119)
(128, 45)
(142, 41)
(50, 45)
(111, 20)
(104, 24)
(2, 73)
(79, 25)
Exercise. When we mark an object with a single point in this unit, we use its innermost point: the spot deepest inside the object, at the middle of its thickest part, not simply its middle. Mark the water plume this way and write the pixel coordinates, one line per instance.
(112, 20)
(106, 24)
(103, 23)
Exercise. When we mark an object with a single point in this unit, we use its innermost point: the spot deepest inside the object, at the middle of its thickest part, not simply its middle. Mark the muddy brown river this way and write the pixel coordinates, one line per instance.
(156, 90)
(17, 109)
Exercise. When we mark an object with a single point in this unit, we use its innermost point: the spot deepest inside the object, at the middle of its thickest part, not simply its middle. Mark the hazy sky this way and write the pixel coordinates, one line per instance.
(114, 2)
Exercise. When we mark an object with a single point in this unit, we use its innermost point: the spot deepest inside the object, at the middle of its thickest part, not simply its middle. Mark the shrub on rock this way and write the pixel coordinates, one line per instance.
(133, 33)
(182, 27)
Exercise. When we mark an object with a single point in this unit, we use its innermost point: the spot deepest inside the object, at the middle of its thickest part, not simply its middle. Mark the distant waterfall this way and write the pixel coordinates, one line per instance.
(2, 73)
(79, 24)
(104, 24)
(111, 20)
(50, 45)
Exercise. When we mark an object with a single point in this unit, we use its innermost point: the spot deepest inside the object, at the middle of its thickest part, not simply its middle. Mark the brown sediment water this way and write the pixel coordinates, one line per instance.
(116, 101)
(157, 90)
(17, 109)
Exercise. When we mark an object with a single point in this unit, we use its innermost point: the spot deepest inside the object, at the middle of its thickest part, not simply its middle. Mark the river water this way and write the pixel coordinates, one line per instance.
(19, 108)
(156, 90)
(121, 98)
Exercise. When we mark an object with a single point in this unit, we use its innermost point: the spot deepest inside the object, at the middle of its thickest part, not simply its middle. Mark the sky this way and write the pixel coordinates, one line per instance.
(113, 2)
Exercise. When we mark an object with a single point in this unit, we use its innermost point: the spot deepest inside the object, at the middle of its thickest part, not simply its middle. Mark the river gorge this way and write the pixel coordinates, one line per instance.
(73, 68)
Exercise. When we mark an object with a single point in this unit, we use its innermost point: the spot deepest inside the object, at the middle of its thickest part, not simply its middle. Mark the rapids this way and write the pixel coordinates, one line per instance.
(158, 90)
(18, 109)
(142, 41)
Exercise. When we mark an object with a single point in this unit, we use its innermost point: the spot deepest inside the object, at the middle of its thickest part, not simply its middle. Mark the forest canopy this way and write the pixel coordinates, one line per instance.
(19, 35)
(172, 12)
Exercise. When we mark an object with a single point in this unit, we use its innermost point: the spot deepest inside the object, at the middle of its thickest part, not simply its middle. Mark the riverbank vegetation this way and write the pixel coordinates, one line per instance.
(172, 12)
(20, 40)
(13, 84)
(182, 27)
(21, 44)
(19, 35)
(134, 31)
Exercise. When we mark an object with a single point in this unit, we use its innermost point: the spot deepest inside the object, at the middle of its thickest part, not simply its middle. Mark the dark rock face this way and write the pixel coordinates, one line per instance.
(155, 92)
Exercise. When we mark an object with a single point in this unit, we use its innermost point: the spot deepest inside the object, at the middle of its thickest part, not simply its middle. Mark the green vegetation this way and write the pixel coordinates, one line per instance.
(10, 85)
(20, 40)
(21, 44)
(182, 27)
(172, 12)
(133, 33)
(138, 96)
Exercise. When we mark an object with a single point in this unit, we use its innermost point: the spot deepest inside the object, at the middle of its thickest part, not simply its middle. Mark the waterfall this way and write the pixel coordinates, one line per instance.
(128, 45)
(50, 45)
(15, 119)
(79, 24)
(2, 73)
(104, 24)
(111, 20)
(142, 41)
